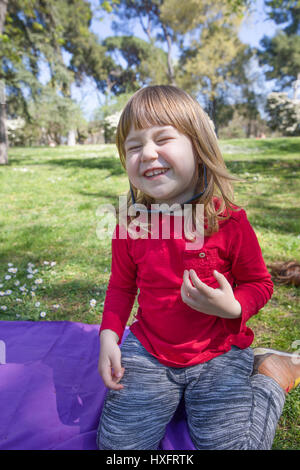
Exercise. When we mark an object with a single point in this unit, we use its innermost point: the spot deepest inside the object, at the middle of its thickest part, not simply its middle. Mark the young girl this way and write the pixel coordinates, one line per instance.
(189, 337)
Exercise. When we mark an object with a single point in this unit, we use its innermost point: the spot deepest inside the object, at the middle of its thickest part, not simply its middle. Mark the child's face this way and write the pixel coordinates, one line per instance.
(161, 148)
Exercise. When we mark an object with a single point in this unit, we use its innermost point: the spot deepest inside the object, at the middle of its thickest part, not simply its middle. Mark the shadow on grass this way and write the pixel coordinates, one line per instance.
(280, 146)
(274, 167)
(102, 163)
(275, 219)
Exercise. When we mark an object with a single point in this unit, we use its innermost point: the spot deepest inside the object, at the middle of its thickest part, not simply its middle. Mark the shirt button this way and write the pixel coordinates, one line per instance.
(202, 255)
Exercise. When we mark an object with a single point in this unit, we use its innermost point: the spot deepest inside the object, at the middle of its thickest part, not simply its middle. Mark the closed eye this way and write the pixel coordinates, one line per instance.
(164, 139)
(133, 148)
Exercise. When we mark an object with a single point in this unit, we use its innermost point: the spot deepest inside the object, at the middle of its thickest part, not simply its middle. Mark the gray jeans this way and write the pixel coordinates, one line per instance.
(226, 407)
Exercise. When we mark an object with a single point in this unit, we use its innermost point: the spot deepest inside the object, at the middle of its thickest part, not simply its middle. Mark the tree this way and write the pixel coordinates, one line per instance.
(144, 63)
(282, 52)
(213, 63)
(148, 13)
(206, 62)
(38, 32)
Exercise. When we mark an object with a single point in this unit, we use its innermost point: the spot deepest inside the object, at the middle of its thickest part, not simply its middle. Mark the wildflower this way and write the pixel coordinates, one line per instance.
(19, 300)
(12, 270)
(18, 315)
(53, 263)
(37, 304)
(22, 288)
(46, 262)
(31, 265)
(29, 276)
(32, 294)
(1, 285)
(10, 264)
(42, 314)
(2, 293)
(17, 283)
(38, 281)
(7, 277)
(56, 306)
(3, 307)
(93, 302)
(8, 292)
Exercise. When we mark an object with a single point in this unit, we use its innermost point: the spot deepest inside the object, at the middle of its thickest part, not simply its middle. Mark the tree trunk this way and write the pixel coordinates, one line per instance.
(72, 137)
(170, 64)
(296, 85)
(3, 131)
(3, 136)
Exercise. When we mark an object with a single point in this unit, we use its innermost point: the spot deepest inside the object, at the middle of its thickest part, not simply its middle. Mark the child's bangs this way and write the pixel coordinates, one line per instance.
(150, 109)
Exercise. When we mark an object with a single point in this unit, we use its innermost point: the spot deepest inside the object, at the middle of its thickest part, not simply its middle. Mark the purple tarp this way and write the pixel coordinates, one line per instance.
(51, 394)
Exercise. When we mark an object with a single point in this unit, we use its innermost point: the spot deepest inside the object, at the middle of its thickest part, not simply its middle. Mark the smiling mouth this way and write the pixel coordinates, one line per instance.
(155, 173)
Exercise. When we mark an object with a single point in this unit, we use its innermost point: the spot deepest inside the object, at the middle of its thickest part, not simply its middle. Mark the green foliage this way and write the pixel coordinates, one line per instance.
(145, 63)
(282, 51)
(38, 31)
(282, 54)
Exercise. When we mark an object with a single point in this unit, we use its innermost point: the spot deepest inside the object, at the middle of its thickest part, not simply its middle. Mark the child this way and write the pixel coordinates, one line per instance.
(189, 337)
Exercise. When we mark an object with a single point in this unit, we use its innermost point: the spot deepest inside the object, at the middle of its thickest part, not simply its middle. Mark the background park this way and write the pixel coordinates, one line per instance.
(67, 69)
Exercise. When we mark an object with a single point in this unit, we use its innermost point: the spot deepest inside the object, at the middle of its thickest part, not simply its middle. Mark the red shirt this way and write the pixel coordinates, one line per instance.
(170, 330)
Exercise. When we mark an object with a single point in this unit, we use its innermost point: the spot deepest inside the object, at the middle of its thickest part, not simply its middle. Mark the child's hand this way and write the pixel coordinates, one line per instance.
(219, 302)
(109, 365)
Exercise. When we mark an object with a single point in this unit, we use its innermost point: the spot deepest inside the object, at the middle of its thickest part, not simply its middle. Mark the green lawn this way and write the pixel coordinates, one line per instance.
(49, 218)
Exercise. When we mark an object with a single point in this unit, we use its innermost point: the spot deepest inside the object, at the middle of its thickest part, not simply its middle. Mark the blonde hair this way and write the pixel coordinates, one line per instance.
(163, 105)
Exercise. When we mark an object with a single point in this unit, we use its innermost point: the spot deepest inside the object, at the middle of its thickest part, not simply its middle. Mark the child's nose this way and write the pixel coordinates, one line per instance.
(149, 151)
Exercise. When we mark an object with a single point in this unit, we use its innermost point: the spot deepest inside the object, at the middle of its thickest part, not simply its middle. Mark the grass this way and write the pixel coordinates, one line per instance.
(49, 219)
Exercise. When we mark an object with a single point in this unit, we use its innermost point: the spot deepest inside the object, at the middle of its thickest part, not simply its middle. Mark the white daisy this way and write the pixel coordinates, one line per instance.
(7, 277)
(8, 292)
(93, 302)
(3, 307)
(12, 270)
(37, 304)
(42, 314)
(17, 283)
(38, 281)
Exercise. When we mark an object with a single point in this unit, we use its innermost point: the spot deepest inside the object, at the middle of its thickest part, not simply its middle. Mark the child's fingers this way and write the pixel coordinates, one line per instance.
(201, 286)
(187, 285)
(110, 380)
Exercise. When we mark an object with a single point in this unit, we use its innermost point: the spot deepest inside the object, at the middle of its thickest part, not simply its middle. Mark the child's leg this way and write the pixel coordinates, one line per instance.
(136, 416)
(227, 408)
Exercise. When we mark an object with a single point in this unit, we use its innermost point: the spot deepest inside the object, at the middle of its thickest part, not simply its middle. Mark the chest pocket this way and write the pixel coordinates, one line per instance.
(202, 261)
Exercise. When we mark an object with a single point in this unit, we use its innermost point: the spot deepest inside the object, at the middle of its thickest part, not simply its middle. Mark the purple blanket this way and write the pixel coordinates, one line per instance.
(51, 394)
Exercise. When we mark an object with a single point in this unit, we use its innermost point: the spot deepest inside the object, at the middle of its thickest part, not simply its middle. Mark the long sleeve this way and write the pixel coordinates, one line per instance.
(122, 288)
(253, 284)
